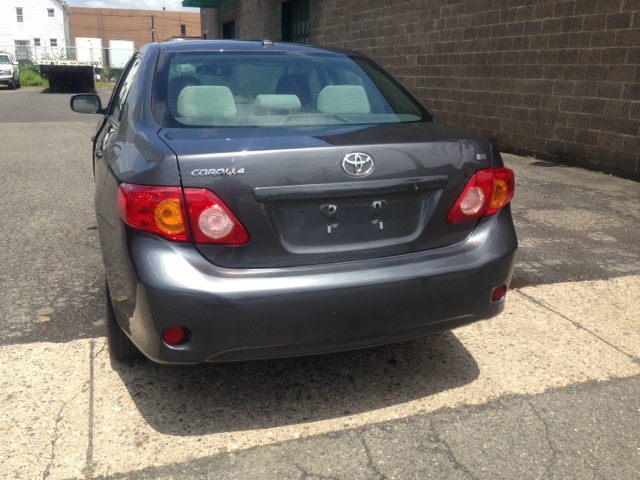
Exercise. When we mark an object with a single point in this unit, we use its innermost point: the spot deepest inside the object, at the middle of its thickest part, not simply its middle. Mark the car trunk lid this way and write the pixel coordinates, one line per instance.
(302, 205)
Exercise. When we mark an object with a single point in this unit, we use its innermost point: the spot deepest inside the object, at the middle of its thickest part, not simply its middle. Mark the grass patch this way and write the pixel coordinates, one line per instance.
(30, 77)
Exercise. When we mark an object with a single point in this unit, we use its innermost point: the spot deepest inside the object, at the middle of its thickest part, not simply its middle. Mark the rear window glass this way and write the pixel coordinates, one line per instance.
(4, 60)
(249, 89)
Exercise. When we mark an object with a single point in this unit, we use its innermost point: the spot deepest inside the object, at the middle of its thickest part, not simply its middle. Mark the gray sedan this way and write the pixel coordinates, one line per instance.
(258, 200)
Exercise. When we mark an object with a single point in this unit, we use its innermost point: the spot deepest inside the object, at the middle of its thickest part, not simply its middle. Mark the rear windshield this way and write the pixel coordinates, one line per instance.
(4, 60)
(249, 89)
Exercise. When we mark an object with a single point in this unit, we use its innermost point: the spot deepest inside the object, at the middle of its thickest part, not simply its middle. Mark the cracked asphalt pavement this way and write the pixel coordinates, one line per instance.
(549, 389)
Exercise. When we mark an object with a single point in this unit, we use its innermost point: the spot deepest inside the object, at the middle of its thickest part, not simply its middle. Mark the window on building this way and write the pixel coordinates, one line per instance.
(36, 42)
(183, 30)
(296, 21)
(54, 42)
(50, 12)
(19, 14)
(229, 30)
(22, 50)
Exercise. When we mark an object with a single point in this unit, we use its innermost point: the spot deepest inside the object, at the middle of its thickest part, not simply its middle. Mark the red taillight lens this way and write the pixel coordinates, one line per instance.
(211, 220)
(173, 335)
(158, 210)
(486, 193)
(498, 293)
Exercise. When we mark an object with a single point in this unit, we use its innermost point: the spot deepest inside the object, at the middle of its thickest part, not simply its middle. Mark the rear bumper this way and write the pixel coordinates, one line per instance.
(266, 313)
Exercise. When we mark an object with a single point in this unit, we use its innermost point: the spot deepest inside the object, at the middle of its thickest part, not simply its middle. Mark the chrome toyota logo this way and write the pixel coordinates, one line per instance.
(357, 164)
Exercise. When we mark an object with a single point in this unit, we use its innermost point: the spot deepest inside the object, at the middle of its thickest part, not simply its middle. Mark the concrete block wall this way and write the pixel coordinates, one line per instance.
(556, 79)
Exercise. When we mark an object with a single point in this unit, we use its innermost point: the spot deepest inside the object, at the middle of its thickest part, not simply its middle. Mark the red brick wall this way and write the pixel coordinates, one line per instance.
(556, 79)
(130, 24)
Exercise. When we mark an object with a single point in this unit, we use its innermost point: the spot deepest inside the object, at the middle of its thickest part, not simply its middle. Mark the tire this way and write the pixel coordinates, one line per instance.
(12, 84)
(120, 345)
(18, 84)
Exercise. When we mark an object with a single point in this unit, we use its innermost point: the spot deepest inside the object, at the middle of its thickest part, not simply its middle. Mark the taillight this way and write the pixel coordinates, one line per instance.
(158, 210)
(211, 220)
(486, 193)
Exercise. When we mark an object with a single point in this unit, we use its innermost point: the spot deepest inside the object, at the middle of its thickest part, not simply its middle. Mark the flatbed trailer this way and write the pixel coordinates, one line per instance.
(70, 73)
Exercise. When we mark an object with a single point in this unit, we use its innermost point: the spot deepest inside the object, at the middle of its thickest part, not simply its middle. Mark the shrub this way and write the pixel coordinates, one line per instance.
(30, 77)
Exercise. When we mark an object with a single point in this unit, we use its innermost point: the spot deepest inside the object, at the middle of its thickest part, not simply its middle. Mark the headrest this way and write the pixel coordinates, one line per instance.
(210, 100)
(265, 103)
(343, 99)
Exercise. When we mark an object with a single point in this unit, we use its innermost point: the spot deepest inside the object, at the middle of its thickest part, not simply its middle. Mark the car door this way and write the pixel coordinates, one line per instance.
(108, 147)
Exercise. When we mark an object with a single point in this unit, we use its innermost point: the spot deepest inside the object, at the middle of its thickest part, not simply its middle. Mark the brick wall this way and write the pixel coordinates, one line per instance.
(128, 24)
(210, 21)
(556, 79)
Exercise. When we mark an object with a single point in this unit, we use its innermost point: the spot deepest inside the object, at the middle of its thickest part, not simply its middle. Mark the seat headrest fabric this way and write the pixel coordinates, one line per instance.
(265, 103)
(343, 99)
(209, 100)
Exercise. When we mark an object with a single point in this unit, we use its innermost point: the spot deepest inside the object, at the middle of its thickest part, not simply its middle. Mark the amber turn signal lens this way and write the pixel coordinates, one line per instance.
(499, 193)
(168, 217)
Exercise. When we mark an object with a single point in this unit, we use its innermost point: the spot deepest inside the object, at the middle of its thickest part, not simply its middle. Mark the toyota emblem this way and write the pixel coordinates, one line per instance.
(357, 164)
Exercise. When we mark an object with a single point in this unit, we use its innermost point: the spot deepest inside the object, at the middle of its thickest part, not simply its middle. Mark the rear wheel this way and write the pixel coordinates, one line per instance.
(18, 83)
(120, 345)
(12, 84)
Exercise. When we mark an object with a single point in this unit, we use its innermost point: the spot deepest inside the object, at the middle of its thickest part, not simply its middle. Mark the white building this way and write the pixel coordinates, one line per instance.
(33, 29)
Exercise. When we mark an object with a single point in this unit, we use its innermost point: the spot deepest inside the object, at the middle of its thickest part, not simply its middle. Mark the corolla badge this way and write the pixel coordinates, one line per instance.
(357, 164)
(198, 172)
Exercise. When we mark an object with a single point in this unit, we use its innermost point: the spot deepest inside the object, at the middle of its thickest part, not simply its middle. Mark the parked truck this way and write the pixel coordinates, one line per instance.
(77, 72)
(68, 72)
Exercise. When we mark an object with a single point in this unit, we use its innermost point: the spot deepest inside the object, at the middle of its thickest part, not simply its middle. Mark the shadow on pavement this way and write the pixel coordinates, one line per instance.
(229, 397)
(546, 164)
(68, 90)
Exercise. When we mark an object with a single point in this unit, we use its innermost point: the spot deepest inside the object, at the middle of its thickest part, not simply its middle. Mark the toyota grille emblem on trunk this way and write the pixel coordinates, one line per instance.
(357, 164)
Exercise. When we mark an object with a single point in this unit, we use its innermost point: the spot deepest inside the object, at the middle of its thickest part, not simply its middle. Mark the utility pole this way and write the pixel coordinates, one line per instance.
(153, 35)
(101, 45)
(164, 34)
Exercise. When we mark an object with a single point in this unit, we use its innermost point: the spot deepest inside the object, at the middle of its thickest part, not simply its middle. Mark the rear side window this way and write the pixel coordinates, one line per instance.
(127, 81)
(250, 89)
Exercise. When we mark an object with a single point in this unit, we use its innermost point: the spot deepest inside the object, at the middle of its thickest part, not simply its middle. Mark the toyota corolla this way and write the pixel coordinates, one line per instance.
(258, 200)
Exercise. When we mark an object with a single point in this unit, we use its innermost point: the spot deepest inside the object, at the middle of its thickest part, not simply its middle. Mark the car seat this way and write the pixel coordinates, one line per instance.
(295, 84)
(175, 87)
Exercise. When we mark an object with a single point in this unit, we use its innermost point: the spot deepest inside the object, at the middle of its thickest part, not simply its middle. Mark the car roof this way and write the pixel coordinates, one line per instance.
(247, 45)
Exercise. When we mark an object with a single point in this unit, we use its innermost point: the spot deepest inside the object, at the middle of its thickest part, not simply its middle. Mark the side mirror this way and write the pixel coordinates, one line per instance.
(86, 104)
